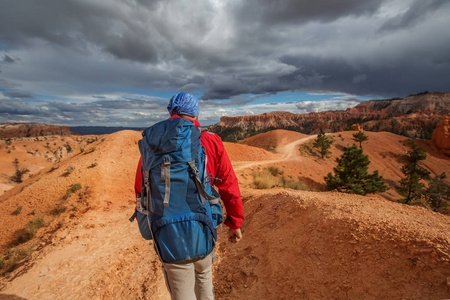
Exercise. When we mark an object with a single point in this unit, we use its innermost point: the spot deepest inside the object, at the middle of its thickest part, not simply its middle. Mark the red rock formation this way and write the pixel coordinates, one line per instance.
(441, 135)
(413, 116)
(10, 130)
(356, 127)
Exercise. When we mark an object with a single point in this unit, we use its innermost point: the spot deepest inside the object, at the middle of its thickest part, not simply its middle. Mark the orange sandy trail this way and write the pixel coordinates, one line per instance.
(331, 245)
(287, 152)
(99, 254)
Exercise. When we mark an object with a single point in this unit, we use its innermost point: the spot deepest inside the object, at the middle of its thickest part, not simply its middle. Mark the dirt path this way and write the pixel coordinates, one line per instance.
(287, 152)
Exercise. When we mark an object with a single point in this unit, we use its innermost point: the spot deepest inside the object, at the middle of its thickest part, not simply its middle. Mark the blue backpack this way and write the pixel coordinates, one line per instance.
(177, 208)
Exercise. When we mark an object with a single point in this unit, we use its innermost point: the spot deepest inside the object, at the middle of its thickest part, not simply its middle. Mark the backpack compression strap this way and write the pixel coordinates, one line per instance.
(165, 175)
(144, 198)
(201, 190)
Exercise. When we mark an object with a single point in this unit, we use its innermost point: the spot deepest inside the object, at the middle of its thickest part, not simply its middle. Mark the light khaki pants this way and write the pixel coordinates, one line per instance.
(191, 281)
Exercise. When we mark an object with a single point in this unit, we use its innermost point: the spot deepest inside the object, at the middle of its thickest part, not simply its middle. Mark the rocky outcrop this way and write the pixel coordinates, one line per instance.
(10, 130)
(439, 102)
(356, 127)
(441, 136)
(413, 116)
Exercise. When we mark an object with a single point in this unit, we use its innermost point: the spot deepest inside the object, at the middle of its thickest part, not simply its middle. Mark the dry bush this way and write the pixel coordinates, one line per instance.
(293, 184)
(264, 179)
(69, 170)
(59, 208)
(307, 149)
(275, 171)
(269, 178)
(13, 258)
(31, 229)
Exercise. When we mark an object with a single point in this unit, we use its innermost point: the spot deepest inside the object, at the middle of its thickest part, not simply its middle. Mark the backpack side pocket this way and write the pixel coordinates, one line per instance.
(143, 223)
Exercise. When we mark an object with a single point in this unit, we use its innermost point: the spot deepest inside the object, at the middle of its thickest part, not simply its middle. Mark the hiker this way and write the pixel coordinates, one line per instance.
(193, 279)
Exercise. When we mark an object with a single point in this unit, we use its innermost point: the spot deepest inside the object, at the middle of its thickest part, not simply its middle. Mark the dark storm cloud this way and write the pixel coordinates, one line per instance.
(223, 50)
(270, 12)
(16, 94)
(7, 59)
(105, 112)
(76, 24)
(129, 104)
(416, 13)
(381, 79)
(6, 84)
(18, 107)
(233, 101)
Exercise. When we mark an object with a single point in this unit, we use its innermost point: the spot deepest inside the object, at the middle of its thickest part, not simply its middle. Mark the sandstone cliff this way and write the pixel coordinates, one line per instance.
(441, 136)
(9, 130)
(413, 116)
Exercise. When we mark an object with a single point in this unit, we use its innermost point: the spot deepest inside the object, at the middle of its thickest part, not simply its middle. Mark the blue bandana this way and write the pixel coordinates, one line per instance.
(183, 103)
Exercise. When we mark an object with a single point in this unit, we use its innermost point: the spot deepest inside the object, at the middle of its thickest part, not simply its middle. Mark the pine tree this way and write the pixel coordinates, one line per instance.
(351, 174)
(437, 192)
(323, 143)
(412, 186)
(360, 137)
(17, 177)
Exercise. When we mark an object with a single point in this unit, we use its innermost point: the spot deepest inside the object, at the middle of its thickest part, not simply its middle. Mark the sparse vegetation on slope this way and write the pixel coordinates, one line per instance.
(31, 229)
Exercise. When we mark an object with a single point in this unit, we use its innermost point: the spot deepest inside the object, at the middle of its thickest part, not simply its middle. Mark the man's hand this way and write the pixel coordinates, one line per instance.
(235, 235)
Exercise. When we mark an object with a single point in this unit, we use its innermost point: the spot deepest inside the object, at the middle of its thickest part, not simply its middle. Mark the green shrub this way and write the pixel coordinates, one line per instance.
(17, 211)
(58, 209)
(274, 171)
(91, 140)
(69, 170)
(67, 195)
(307, 149)
(31, 229)
(68, 147)
(75, 187)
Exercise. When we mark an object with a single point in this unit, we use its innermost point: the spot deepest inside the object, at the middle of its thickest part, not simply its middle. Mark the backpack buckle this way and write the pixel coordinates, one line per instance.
(194, 168)
(166, 161)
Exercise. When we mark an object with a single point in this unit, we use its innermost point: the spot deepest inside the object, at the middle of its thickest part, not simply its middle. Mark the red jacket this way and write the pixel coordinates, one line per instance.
(219, 166)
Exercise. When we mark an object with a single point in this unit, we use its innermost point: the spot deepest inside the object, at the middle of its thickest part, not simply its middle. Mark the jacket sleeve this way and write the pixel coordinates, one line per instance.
(219, 165)
(138, 179)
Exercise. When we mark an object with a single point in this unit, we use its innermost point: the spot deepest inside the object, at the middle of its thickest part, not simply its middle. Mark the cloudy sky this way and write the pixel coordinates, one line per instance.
(118, 62)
